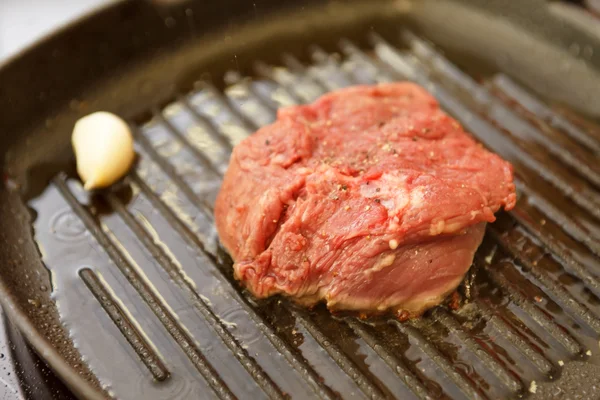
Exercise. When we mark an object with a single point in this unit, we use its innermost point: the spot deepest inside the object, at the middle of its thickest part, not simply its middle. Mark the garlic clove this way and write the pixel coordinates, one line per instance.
(103, 146)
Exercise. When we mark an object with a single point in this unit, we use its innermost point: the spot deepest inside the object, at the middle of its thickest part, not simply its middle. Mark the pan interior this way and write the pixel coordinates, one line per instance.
(133, 280)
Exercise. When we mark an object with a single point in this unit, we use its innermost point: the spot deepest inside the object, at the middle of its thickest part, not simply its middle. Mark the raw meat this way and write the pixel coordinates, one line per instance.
(370, 199)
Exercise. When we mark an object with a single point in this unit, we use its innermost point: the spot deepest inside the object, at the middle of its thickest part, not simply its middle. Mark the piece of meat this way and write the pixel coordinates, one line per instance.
(370, 199)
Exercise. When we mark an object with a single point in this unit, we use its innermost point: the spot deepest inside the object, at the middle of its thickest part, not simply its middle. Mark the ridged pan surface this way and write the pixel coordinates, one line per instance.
(147, 294)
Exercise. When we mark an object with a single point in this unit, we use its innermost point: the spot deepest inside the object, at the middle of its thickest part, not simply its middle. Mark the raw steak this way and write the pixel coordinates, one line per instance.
(370, 199)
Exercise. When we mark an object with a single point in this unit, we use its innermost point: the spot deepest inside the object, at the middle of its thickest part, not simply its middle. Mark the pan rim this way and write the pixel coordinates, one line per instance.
(78, 385)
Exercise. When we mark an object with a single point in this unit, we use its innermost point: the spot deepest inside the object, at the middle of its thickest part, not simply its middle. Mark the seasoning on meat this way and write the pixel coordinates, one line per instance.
(379, 200)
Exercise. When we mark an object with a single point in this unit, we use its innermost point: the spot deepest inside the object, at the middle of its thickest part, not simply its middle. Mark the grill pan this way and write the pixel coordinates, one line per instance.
(126, 293)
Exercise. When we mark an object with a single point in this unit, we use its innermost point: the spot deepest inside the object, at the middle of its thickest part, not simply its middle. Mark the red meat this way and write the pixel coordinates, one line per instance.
(370, 199)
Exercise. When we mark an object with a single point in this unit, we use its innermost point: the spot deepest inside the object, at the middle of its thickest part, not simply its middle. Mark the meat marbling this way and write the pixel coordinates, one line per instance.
(370, 199)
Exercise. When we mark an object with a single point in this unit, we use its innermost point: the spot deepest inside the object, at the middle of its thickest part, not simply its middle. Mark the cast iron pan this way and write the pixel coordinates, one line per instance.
(134, 57)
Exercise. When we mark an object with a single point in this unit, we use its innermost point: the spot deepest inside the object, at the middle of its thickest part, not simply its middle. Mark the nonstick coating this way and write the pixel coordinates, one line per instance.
(133, 56)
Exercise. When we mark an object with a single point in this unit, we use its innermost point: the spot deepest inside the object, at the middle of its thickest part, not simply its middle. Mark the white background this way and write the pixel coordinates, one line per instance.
(24, 21)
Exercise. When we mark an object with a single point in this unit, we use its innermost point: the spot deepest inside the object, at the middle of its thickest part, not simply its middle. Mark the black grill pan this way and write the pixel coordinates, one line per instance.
(127, 294)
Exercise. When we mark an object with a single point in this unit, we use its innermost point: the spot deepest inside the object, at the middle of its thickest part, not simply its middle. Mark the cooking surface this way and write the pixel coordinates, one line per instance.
(144, 270)
(148, 296)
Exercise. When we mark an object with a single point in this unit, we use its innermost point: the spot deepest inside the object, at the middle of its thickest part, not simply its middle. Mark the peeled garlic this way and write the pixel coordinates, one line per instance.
(103, 147)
